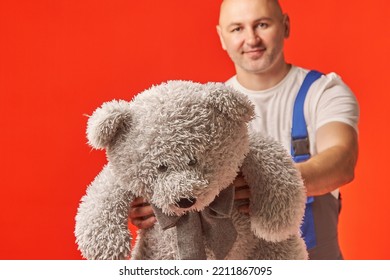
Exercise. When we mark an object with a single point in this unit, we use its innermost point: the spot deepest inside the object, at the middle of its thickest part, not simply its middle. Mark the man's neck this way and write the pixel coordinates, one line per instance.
(263, 80)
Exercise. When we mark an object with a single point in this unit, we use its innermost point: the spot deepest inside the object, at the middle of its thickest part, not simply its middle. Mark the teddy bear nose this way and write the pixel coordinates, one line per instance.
(186, 203)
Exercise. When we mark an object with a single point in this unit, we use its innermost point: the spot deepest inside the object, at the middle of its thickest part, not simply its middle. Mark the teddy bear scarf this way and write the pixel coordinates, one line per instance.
(214, 224)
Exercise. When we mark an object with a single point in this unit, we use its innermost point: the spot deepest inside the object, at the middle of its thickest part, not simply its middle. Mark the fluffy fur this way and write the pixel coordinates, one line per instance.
(185, 140)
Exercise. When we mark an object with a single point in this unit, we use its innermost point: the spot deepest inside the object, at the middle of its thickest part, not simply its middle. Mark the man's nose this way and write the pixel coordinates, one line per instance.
(252, 38)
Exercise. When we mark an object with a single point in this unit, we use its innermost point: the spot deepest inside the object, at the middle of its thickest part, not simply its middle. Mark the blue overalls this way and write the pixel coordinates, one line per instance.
(300, 151)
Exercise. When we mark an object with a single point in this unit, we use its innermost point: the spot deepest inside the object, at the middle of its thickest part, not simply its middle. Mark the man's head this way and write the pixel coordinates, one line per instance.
(253, 32)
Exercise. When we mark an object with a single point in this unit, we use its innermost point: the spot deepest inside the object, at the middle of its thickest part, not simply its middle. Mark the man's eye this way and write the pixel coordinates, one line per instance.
(262, 25)
(237, 29)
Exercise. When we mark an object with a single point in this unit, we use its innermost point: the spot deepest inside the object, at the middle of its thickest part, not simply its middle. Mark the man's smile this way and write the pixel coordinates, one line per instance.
(254, 53)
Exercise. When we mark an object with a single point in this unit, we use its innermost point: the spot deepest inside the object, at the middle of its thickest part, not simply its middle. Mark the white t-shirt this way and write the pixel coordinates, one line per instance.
(328, 99)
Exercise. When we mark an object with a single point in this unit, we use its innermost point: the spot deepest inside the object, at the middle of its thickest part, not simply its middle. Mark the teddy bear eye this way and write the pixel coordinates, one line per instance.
(163, 167)
(192, 162)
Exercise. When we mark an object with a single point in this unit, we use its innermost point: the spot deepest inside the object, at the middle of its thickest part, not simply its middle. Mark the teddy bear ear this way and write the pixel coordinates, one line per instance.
(106, 121)
(230, 102)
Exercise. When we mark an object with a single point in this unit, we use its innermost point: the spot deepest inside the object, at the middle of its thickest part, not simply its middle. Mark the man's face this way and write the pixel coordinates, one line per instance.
(253, 32)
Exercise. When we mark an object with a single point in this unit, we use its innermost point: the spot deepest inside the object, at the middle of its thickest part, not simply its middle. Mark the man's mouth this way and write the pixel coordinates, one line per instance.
(254, 53)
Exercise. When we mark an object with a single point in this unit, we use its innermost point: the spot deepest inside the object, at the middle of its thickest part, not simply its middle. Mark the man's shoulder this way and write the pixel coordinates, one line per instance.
(328, 79)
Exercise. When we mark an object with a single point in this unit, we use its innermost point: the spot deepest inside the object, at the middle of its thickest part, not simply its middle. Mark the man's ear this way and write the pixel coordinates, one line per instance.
(106, 122)
(286, 23)
(230, 102)
(219, 31)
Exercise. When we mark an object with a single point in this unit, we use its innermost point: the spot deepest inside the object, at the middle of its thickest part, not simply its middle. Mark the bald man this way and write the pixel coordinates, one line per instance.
(252, 32)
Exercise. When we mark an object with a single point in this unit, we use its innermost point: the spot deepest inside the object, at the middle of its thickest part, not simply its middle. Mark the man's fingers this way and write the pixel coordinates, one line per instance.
(139, 201)
(140, 211)
(143, 223)
(244, 208)
(239, 181)
(241, 196)
(242, 193)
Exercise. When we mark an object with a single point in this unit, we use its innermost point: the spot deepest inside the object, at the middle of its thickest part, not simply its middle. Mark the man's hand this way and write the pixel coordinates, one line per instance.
(242, 193)
(141, 214)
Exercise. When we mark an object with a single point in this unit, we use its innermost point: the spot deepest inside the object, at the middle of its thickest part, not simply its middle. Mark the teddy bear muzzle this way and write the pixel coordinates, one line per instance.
(186, 202)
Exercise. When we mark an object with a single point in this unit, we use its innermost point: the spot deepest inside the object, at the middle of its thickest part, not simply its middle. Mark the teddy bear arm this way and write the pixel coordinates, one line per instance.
(102, 220)
(277, 193)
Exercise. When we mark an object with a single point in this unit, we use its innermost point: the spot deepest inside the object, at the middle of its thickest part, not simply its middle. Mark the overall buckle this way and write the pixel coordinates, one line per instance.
(301, 146)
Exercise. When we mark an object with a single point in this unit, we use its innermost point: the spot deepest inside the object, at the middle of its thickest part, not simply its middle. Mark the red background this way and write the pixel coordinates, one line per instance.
(59, 60)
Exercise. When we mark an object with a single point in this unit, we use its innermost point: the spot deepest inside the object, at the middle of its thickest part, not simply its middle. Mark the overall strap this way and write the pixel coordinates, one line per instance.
(300, 147)
(300, 151)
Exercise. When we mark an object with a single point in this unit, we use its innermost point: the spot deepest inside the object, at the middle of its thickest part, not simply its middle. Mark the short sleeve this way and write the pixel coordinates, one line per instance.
(330, 99)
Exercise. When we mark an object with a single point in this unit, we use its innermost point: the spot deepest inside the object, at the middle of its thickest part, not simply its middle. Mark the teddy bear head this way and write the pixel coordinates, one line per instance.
(177, 144)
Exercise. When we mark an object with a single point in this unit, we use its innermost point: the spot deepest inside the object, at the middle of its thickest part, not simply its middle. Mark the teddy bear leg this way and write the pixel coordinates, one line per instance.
(102, 220)
(293, 248)
(156, 244)
(277, 193)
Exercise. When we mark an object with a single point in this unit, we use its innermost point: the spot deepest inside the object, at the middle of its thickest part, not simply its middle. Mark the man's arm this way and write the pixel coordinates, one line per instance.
(334, 165)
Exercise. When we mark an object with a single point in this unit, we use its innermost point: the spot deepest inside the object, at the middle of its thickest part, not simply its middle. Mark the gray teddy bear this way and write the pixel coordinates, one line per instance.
(180, 145)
